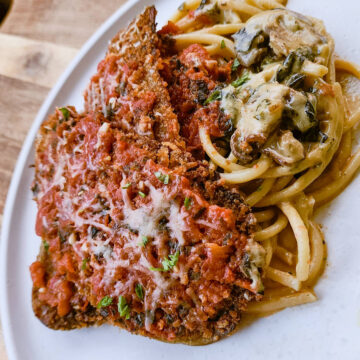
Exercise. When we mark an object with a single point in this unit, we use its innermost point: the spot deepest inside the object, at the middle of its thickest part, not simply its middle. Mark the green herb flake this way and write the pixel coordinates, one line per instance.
(235, 65)
(215, 95)
(84, 263)
(105, 301)
(126, 186)
(187, 203)
(123, 308)
(155, 269)
(222, 44)
(144, 241)
(241, 80)
(46, 245)
(65, 113)
(142, 194)
(168, 263)
(139, 290)
(164, 178)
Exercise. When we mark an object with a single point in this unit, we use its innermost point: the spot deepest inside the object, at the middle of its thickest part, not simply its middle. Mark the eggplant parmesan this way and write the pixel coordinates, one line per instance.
(136, 230)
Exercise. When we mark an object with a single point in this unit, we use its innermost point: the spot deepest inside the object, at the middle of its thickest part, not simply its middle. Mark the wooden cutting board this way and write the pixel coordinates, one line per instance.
(38, 39)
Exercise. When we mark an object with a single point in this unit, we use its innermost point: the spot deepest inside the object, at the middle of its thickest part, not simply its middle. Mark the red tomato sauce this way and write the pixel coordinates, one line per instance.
(192, 77)
(113, 219)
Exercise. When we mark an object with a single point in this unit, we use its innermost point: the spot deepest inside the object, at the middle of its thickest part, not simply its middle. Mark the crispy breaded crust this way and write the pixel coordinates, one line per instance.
(133, 61)
(91, 316)
(155, 129)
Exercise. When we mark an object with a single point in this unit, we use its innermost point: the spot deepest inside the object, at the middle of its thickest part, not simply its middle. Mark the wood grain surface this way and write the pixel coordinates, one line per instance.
(38, 39)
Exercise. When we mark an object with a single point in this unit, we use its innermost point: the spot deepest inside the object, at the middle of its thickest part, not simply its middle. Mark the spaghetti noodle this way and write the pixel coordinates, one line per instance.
(287, 186)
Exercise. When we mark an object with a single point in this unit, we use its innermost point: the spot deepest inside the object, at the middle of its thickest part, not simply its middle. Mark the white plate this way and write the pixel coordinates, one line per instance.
(329, 328)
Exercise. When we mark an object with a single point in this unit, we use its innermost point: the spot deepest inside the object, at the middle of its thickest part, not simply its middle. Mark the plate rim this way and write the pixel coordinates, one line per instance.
(10, 344)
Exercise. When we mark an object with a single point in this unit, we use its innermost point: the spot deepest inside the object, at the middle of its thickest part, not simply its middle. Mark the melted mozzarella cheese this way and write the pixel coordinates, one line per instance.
(145, 219)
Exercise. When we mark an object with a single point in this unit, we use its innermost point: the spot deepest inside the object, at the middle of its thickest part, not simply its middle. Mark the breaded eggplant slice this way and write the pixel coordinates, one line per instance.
(128, 89)
(133, 243)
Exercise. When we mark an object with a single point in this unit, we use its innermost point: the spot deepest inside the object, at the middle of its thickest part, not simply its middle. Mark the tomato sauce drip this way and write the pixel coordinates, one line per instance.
(169, 28)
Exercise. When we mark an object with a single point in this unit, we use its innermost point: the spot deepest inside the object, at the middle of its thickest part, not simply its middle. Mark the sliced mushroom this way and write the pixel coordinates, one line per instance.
(300, 112)
(287, 150)
(250, 45)
(289, 70)
(246, 149)
(282, 31)
(262, 112)
(271, 106)
(210, 11)
(258, 118)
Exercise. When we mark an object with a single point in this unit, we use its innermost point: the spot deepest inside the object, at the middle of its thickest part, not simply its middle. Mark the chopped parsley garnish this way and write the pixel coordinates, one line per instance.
(84, 263)
(65, 112)
(241, 80)
(105, 301)
(123, 308)
(155, 269)
(215, 95)
(143, 195)
(187, 203)
(222, 44)
(144, 241)
(139, 290)
(46, 245)
(169, 263)
(235, 65)
(164, 178)
(126, 186)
